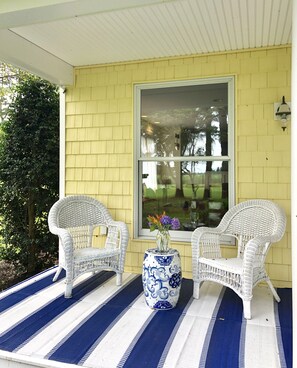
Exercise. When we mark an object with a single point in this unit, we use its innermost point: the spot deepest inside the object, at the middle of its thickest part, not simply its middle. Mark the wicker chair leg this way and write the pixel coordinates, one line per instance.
(196, 288)
(119, 279)
(275, 294)
(57, 273)
(247, 309)
(68, 290)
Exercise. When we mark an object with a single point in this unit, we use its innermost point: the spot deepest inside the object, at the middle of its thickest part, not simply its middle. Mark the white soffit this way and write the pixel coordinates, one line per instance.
(87, 32)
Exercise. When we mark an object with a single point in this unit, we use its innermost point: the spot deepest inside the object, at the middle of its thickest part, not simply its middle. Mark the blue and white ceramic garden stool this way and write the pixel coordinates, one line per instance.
(161, 277)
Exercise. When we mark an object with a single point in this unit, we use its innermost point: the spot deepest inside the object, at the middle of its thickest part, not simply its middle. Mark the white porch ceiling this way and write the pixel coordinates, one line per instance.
(51, 38)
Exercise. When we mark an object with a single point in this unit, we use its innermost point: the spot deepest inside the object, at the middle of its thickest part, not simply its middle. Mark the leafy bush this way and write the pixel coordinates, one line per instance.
(29, 175)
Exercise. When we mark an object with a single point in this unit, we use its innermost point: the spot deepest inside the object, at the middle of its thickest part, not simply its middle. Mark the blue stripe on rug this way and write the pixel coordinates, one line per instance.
(77, 345)
(284, 309)
(25, 330)
(224, 345)
(149, 347)
(25, 292)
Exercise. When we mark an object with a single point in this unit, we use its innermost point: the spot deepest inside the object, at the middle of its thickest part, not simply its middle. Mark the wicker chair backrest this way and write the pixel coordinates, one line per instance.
(255, 218)
(78, 211)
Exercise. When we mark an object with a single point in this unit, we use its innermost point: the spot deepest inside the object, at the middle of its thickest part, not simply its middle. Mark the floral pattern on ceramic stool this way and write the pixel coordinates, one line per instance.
(161, 277)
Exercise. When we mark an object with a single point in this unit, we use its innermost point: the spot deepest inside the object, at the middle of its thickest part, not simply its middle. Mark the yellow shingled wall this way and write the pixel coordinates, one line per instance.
(99, 137)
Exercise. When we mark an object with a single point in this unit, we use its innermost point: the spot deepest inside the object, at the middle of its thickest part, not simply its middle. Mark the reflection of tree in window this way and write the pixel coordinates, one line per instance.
(163, 146)
(203, 132)
(198, 140)
(223, 121)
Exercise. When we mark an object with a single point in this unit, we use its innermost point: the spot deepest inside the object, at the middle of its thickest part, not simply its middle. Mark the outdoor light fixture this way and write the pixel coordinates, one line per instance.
(282, 112)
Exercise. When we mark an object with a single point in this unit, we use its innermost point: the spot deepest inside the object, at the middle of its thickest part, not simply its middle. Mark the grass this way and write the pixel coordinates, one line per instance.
(179, 205)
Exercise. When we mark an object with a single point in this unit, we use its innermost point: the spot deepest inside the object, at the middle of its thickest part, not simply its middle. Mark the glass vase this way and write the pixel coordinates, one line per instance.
(163, 241)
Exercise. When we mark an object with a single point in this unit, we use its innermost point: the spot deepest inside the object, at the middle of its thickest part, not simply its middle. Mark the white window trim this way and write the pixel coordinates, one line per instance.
(184, 236)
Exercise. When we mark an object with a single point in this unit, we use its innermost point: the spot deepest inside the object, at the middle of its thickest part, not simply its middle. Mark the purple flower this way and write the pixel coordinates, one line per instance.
(165, 220)
(175, 224)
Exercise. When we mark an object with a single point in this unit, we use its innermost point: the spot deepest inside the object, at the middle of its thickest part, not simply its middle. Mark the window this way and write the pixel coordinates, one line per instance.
(184, 153)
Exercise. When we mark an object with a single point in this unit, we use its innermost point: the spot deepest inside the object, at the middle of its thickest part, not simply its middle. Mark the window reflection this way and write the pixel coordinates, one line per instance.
(185, 121)
(184, 159)
(195, 192)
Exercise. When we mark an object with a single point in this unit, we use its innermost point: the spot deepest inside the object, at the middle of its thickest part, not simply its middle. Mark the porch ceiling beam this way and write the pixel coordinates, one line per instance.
(20, 13)
(17, 51)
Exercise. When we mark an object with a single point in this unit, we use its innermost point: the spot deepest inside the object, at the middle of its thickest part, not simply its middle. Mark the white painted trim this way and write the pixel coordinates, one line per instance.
(294, 177)
(22, 13)
(137, 200)
(23, 54)
(62, 142)
(231, 147)
(15, 360)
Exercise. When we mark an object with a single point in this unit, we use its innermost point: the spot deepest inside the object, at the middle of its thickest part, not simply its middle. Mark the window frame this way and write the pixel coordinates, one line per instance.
(184, 236)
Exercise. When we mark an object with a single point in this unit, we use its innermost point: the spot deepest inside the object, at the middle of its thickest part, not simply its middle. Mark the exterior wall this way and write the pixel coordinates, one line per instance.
(99, 137)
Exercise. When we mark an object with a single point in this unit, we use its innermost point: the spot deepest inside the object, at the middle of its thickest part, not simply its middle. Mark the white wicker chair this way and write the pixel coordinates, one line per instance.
(74, 219)
(255, 224)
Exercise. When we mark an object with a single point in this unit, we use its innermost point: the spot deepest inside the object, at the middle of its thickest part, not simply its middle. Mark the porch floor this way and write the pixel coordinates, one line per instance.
(105, 326)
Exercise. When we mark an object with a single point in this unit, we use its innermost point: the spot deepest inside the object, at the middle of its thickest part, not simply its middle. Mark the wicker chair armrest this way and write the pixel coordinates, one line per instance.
(254, 255)
(65, 240)
(118, 236)
(123, 232)
(256, 250)
(253, 261)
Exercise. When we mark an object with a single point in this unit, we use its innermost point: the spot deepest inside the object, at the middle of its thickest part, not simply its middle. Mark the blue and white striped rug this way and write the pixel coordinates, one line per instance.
(104, 326)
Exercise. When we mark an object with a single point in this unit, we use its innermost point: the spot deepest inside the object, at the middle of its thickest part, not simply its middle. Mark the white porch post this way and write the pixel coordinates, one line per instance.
(62, 143)
(294, 176)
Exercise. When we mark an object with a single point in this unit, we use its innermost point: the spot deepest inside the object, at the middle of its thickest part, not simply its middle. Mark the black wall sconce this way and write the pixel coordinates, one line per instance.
(282, 112)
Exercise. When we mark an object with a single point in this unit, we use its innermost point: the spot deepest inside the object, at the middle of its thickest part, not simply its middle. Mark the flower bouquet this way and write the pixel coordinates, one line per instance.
(163, 223)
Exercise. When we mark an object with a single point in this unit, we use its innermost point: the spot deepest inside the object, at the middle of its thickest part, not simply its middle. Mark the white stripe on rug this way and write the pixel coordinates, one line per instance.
(51, 336)
(187, 345)
(30, 305)
(112, 347)
(24, 309)
(260, 339)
